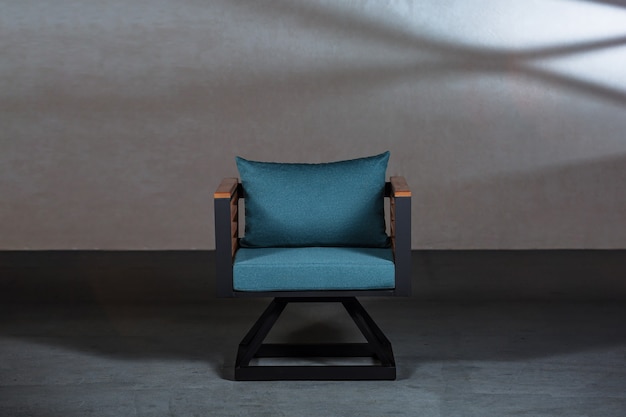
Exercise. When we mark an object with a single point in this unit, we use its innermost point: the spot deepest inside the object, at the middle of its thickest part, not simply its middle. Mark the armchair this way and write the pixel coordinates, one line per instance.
(313, 233)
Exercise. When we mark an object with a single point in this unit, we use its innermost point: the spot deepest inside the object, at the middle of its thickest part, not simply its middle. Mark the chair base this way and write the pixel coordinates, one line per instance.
(377, 347)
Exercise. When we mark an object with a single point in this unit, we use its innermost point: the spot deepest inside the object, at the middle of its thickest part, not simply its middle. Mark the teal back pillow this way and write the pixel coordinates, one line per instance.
(330, 204)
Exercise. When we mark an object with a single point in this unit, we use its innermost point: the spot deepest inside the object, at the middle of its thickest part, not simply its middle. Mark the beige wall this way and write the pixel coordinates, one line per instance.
(118, 118)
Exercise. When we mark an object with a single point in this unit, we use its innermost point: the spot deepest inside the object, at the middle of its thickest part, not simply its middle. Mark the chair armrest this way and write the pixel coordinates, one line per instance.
(227, 188)
(399, 187)
(226, 204)
(400, 210)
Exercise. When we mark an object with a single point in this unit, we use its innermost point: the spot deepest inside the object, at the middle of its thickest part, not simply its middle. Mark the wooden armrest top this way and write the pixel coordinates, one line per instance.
(227, 188)
(399, 187)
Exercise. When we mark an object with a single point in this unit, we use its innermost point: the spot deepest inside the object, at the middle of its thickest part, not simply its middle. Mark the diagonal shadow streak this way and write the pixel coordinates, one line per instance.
(458, 57)
(440, 59)
(617, 3)
(384, 32)
(599, 90)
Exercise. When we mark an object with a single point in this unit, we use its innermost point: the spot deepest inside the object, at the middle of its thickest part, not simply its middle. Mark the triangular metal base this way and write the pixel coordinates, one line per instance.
(377, 347)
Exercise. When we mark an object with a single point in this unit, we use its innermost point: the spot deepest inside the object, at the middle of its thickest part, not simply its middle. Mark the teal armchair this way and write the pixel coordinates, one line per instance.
(313, 233)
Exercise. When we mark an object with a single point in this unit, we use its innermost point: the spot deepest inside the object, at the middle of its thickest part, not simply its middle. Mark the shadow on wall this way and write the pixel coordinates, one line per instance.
(620, 3)
(580, 202)
(450, 58)
(170, 107)
(249, 89)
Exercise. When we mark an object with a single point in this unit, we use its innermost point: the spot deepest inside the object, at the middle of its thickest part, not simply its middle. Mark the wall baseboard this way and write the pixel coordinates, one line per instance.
(187, 276)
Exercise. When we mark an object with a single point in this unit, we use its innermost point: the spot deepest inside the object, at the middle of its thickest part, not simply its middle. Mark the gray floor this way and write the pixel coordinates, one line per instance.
(501, 355)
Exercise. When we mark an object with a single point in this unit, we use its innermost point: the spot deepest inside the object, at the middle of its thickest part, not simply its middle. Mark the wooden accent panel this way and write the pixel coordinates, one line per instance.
(227, 188)
(392, 221)
(234, 222)
(399, 187)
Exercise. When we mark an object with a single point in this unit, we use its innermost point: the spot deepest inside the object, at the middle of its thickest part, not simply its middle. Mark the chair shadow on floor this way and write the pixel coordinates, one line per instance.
(422, 332)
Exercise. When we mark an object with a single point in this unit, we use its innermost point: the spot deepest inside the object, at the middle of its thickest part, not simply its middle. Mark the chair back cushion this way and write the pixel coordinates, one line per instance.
(330, 204)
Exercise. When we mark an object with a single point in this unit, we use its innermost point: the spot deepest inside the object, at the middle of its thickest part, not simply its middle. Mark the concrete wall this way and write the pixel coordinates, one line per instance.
(118, 118)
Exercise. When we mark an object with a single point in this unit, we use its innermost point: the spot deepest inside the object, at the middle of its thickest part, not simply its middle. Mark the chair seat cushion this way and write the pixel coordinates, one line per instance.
(313, 268)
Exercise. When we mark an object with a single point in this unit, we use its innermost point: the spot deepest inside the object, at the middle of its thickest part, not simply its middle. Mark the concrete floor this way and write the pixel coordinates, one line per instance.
(495, 356)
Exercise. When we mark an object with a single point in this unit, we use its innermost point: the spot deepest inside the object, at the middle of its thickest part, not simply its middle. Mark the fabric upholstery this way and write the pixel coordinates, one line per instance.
(330, 204)
(315, 268)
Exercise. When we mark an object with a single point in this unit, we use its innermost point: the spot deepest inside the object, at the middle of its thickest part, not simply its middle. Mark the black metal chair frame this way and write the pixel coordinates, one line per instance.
(377, 346)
